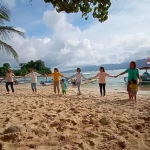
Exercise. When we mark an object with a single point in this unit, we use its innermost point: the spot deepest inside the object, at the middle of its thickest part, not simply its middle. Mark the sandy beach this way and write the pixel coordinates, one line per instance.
(69, 122)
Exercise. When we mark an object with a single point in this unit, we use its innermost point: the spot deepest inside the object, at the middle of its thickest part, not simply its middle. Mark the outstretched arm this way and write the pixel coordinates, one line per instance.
(63, 76)
(50, 74)
(17, 76)
(120, 74)
(3, 78)
(84, 77)
(109, 75)
(94, 77)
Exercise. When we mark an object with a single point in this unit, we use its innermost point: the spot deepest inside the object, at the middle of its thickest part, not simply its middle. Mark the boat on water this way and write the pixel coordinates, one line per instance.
(145, 76)
(74, 83)
(47, 82)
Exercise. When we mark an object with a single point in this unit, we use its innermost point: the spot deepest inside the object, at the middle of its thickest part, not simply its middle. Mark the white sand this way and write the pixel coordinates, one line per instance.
(55, 122)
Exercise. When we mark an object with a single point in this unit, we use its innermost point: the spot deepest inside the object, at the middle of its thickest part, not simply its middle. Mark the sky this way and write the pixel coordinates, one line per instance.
(68, 41)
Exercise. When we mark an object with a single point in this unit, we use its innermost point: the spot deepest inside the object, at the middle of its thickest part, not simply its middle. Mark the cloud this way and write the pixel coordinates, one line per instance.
(9, 3)
(124, 37)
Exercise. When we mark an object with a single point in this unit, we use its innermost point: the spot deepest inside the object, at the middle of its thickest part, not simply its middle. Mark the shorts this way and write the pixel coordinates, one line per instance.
(63, 91)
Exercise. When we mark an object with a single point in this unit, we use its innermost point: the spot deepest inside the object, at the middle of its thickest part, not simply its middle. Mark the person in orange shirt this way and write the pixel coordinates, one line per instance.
(56, 79)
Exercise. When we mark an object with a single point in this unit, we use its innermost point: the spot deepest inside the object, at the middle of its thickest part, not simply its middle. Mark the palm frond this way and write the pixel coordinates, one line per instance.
(6, 32)
(4, 14)
(8, 49)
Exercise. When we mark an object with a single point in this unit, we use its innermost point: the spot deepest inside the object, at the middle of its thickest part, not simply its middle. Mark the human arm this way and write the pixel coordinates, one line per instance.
(109, 75)
(94, 77)
(3, 78)
(63, 76)
(138, 76)
(120, 74)
(17, 76)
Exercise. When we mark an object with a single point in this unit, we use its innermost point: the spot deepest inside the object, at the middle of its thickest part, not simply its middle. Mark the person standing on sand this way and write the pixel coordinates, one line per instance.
(9, 77)
(63, 86)
(102, 80)
(134, 88)
(33, 77)
(133, 73)
(79, 76)
(56, 80)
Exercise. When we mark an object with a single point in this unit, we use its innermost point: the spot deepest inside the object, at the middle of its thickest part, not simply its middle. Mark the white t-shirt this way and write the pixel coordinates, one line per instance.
(9, 77)
(79, 76)
(33, 76)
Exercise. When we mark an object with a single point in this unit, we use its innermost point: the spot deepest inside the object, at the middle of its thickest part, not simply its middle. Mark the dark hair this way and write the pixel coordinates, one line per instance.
(56, 69)
(134, 81)
(134, 64)
(62, 80)
(102, 69)
(79, 69)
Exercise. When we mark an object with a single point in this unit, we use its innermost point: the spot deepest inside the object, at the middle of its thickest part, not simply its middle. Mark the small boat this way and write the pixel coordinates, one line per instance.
(45, 83)
(74, 83)
(145, 76)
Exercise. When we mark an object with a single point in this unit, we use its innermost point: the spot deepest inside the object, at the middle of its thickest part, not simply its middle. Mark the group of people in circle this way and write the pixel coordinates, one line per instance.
(132, 84)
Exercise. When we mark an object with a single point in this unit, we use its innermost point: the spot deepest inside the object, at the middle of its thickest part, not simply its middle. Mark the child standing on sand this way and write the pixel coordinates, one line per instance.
(56, 80)
(134, 89)
(63, 86)
(102, 80)
(33, 76)
(79, 76)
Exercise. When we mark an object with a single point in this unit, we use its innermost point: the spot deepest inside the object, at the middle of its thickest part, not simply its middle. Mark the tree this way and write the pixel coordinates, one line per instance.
(4, 69)
(99, 8)
(6, 32)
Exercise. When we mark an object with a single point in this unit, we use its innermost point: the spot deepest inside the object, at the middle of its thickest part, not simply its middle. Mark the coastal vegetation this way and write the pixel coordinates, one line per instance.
(38, 66)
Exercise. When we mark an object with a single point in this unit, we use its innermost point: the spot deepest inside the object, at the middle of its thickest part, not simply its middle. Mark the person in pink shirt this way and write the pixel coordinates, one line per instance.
(102, 80)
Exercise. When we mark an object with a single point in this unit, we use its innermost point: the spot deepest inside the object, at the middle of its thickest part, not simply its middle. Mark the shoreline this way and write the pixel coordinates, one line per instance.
(91, 88)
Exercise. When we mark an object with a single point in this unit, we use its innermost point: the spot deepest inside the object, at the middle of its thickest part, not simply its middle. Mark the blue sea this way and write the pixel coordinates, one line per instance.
(111, 83)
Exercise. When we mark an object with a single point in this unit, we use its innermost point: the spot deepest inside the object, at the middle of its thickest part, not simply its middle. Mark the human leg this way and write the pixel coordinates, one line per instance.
(104, 90)
(32, 87)
(35, 87)
(100, 86)
(78, 86)
(7, 88)
(12, 86)
(54, 84)
(129, 89)
(57, 85)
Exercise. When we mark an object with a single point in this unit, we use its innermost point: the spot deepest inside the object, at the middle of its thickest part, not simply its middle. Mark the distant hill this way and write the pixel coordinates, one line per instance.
(140, 63)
